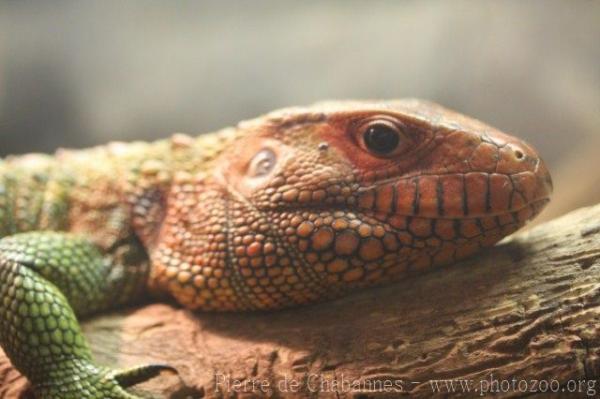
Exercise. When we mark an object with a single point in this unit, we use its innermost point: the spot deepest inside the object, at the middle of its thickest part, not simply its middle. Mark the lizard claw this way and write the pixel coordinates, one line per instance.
(135, 375)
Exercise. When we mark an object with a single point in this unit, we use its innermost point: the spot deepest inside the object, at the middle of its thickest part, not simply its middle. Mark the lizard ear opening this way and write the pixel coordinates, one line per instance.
(252, 166)
(262, 163)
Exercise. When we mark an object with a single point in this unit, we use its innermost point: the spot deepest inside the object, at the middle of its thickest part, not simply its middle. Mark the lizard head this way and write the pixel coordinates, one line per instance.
(314, 202)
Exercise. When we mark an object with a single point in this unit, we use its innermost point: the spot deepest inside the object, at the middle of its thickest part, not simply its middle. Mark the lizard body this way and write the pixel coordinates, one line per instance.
(297, 206)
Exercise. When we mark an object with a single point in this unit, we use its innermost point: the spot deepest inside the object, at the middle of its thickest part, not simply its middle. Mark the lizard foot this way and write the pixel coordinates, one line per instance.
(77, 379)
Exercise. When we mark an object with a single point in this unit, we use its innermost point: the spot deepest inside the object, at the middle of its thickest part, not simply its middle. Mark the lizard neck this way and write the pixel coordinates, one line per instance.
(169, 167)
(97, 191)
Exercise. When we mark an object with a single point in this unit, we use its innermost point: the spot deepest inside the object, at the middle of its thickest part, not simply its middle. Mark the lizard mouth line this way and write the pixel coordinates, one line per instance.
(343, 207)
(457, 196)
(533, 204)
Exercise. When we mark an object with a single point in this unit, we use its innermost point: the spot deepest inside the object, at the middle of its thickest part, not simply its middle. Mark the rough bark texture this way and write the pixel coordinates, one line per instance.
(527, 309)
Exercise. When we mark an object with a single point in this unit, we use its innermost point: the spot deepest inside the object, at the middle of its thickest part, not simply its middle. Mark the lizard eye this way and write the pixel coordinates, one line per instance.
(262, 163)
(382, 137)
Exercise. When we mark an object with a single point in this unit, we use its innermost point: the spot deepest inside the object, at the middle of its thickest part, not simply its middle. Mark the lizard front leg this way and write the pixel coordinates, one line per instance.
(47, 279)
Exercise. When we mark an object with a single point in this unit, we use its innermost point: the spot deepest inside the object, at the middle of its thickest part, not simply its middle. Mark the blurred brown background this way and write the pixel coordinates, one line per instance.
(76, 74)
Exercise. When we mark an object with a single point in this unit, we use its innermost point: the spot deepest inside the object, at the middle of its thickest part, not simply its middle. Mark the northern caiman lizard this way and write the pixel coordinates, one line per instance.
(297, 206)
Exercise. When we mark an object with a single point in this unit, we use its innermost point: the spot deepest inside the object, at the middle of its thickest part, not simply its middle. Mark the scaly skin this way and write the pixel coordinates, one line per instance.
(294, 207)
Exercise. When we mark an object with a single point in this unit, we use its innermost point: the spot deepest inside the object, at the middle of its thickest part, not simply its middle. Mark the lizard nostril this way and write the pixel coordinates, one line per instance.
(519, 155)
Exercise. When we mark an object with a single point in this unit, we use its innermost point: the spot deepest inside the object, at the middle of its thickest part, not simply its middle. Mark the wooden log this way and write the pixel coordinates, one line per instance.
(527, 310)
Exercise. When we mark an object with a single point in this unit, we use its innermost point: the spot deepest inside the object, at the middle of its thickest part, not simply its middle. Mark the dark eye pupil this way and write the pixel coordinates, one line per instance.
(381, 139)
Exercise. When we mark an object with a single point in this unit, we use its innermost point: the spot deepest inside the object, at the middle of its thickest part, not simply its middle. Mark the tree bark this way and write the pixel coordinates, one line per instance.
(526, 310)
